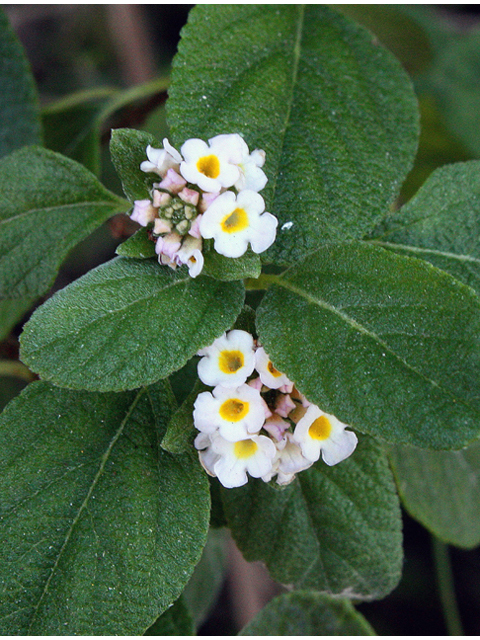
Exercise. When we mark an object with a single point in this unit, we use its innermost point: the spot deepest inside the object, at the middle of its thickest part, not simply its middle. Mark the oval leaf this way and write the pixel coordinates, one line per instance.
(304, 613)
(48, 203)
(440, 489)
(334, 111)
(100, 528)
(335, 529)
(127, 323)
(388, 344)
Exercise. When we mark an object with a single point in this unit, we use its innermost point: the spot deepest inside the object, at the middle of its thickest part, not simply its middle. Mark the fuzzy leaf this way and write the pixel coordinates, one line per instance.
(441, 224)
(100, 528)
(137, 246)
(176, 621)
(334, 111)
(222, 268)
(440, 489)
(335, 529)
(48, 203)
(388, 344)
(305, 613)
(128, 150)
(127, 323)
(19, 110)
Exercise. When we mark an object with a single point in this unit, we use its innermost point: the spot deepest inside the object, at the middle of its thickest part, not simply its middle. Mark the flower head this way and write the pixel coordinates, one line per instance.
(236, 413)
(319, 433)
(235, 221)
(228, 361)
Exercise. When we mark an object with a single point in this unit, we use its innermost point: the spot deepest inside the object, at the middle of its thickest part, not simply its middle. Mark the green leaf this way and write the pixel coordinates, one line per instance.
(176, 621)
(100, 528)
(441, 224)
(304, 613)
(125, 324)
(11, 312)
(137, 246)
(19, 111)
(181, 431)
(48, 203)
(335, 529)
(334, 111)
(440, 489)
(128, 151)
(455, 82)
(204, 586)
(73, 125)
(437, 147)
(222, 268)
(388, 344)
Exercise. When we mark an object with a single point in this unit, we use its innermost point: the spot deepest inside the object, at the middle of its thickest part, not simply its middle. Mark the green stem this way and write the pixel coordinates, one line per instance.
(446, 587)
(15, 369)
(262, 282)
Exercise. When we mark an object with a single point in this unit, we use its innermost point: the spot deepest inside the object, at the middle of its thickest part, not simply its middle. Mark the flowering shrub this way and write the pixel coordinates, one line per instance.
(287, 345)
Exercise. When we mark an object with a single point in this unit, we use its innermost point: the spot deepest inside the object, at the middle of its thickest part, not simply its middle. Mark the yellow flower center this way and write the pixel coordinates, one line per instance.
(230, 361)
(275, 372)
(320, 429)
(235, 221)
(209, 166)
(245, 449)
(233, 410)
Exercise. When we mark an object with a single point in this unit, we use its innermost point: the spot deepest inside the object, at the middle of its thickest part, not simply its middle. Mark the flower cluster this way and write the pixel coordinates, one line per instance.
(208, 190)
(255, 421)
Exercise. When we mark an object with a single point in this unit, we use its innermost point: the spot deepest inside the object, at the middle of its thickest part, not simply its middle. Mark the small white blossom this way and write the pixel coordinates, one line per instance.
(288, 461)
(236, 413)
(270, 376)
(235, 221)
(161, 160)
(253, 456)
(190, 253)
(207, 166)
(236, 150)
(228, 361)
(319, 433)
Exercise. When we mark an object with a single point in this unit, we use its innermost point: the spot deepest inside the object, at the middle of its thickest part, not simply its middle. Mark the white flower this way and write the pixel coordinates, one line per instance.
(253, 455)
(321, 433)
(236, 149)
(236, 221)
(235, 413)
(228, 361)
(270, 376)
(143, 212)
(288, 461)
(190, 253)
(207, 166)
(161, 160)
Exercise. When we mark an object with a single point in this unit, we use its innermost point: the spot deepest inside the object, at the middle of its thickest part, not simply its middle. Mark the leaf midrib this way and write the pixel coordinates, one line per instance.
(84, 504)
